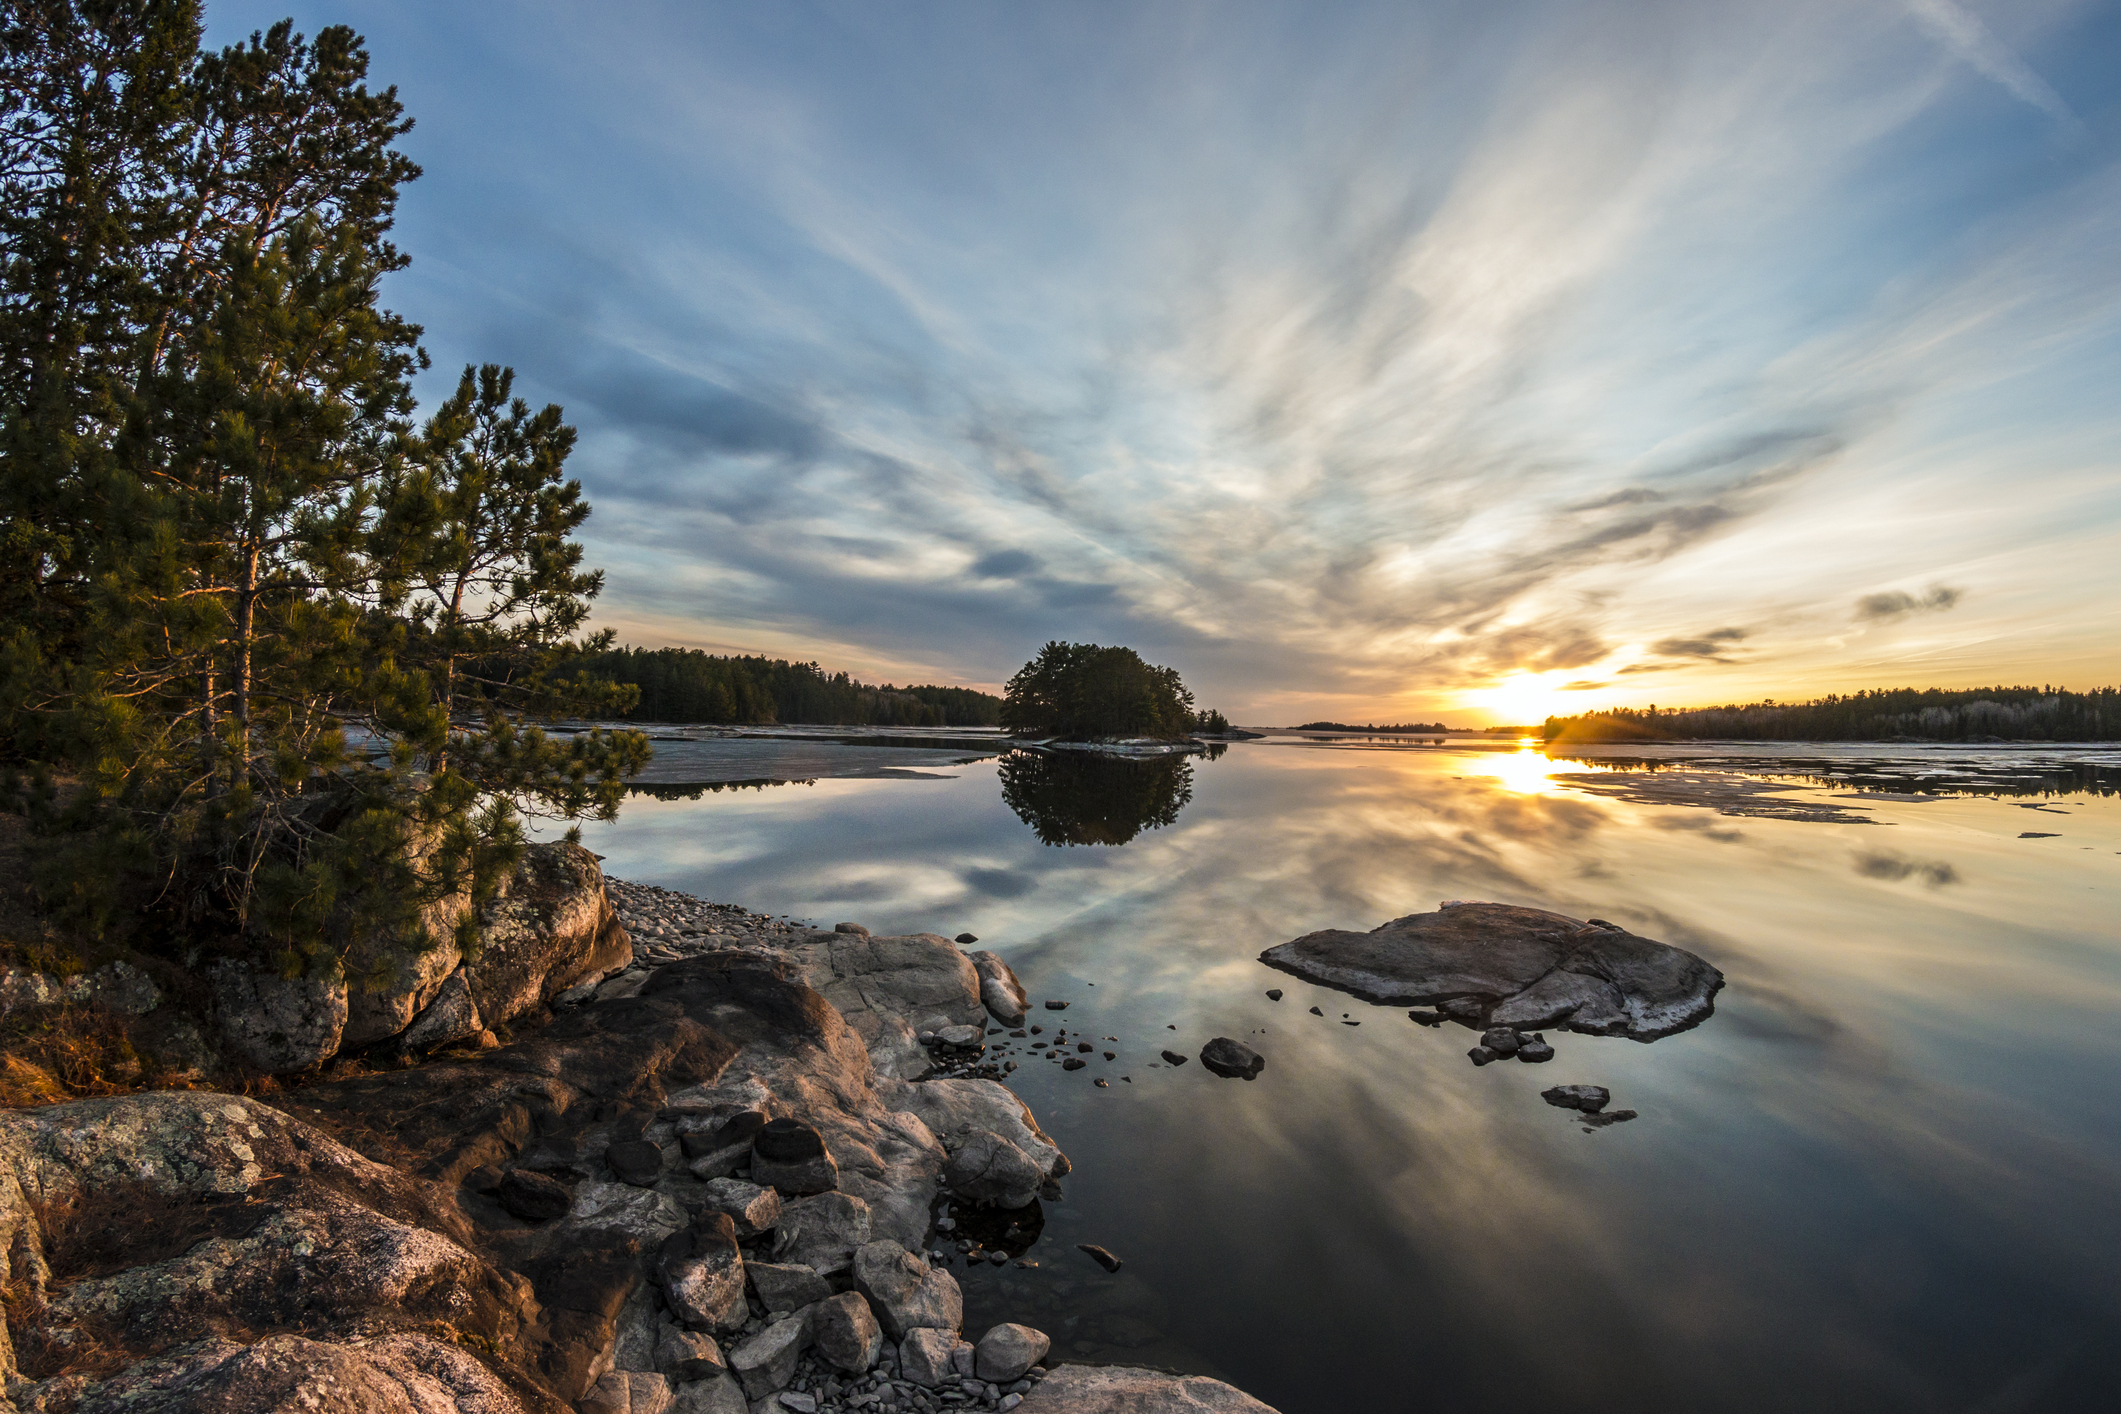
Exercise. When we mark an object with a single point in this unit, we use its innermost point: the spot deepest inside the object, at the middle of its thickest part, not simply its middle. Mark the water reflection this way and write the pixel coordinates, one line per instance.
(1074, 797)
(1893, 1151)
(1527, 772)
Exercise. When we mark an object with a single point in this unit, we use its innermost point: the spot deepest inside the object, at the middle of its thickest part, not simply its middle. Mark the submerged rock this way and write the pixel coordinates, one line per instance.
(1588, 1098)
(1514, 968)
(1099, 1255)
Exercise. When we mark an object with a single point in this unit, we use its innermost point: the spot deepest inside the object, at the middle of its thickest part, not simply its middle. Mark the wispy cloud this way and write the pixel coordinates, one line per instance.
(1372, 355)
(1962, 31)
(1898, 603)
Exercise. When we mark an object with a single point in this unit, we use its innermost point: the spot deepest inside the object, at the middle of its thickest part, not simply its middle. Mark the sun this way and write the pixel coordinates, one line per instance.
(1524, 699)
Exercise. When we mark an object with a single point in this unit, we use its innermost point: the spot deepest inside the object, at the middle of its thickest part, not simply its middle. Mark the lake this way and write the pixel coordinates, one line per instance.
(1885, 1174)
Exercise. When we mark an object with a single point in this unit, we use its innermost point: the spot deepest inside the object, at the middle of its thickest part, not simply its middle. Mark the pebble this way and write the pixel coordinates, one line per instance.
(1273, 994)
(1316, 1012)
(1056, 1006)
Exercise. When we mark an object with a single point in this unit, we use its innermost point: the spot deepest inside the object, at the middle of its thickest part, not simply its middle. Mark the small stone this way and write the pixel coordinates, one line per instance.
(688, 1355)
(1007, 1351)
(636, 1161)
(1502, 1040)
(1232, 1059)
(1175, 1058)
(967, 939)
(533, 1197)
(1073, 1063)
(1102, 1084)
(798, 1401)
(1588, 1098)
(784, 1287)
(1481, 1055)
(1316, 1012)
(1103, 1258)
(1084, 1047)
(962, 1038)
(1273, 994)
(753, 1209)
(1535, 1052)
(924, 1357)
(845, 1333)
(1056, 1006)
(766, 1362)
(1111, 1055)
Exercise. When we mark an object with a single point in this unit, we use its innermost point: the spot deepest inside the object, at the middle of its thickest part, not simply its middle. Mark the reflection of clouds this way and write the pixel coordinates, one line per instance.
(1884, 864)
(1865, 1081)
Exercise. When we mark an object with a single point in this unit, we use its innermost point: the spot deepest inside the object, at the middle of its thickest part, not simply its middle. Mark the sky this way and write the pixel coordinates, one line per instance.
(1373, 362)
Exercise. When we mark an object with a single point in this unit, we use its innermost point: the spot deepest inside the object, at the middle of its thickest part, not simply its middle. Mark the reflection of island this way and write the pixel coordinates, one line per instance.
(1075, 797)
(656, 790)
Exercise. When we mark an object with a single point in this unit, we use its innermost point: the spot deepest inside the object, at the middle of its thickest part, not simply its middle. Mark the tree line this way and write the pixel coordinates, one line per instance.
(273, 646)
(1927, 714)
(688, 685)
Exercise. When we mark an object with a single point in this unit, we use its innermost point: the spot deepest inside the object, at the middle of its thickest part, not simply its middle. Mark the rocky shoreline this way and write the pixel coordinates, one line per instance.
(702, 1174)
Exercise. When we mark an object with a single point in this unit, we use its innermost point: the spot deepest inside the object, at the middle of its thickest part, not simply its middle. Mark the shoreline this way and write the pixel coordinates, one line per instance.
(584, 1216)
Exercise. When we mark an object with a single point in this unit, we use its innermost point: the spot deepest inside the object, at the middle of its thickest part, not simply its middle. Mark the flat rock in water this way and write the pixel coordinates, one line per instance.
(1588, 1098)
(1175, 1058)
(1514, 967)
(1232, 1059)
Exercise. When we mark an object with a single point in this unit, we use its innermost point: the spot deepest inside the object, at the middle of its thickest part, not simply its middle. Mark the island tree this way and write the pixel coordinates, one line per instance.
(1084, 691)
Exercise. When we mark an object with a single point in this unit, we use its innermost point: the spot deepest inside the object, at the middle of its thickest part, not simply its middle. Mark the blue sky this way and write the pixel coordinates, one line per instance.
(1481, 359)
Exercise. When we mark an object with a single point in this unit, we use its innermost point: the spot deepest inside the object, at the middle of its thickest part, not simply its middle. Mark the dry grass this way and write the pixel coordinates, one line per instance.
(68, 1052)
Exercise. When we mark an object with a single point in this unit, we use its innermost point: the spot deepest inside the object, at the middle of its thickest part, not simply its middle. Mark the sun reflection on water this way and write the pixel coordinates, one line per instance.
(1526, 772)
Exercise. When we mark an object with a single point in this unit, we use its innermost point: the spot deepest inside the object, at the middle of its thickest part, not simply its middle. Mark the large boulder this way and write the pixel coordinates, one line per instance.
(552, 929)
(1118, 1389)
(822, 1232)
(397, 978)
(1518, 967)
(998, 1155)
(1007, 1351)
(450, 1017)
(891, 989)
(703, 1275)
(278, 1024)
(905, 1292)
(401, 1373)
(159, 1219)
(1004, 996)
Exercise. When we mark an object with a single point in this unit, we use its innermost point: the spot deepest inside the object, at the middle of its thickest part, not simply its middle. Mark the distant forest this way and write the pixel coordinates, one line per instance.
(687, 685)
(1921, 714)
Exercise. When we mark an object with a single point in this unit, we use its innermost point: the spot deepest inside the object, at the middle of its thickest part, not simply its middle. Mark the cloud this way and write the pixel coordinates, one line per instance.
(1302, 359)
(1709, 647)
(1896, 603)
(1005, 564)
(1961, 31)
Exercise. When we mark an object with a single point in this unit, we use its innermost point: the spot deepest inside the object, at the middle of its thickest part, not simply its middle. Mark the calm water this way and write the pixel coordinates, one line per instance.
(1886, 1174)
